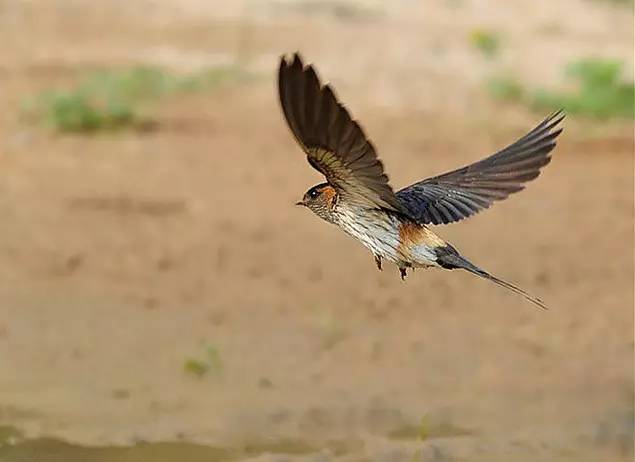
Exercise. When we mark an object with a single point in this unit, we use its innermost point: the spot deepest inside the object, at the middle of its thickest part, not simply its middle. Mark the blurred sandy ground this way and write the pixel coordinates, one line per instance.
(100, 308)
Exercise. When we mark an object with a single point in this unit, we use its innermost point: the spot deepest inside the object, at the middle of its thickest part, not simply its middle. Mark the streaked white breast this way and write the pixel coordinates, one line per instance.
(377, 230)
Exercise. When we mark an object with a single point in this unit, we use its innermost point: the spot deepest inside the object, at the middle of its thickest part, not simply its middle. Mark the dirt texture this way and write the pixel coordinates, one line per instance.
(124, 255)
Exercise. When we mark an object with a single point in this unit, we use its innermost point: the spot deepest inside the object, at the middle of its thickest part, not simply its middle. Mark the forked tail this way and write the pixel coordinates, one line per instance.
(448, 257)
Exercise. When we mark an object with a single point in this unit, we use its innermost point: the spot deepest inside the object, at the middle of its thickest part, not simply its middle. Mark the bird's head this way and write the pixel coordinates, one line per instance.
(320, 200)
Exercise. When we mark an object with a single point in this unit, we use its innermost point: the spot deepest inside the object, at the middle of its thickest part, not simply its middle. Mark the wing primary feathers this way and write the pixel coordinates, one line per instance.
(477, 186)
(336, 145)
(333, 141)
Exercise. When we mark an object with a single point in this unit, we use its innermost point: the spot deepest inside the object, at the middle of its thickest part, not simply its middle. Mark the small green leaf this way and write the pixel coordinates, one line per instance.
(196, 367)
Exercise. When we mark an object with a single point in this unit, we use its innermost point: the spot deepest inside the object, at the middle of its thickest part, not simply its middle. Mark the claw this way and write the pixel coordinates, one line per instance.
(378, 262)
(402, 272)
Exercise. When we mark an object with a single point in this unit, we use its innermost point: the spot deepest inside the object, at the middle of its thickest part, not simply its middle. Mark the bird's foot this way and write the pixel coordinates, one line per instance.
(378, 262)
(402, 272)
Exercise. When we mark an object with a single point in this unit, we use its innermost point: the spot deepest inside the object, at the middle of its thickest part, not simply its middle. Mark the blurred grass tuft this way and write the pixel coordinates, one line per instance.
(9, 435)
(598, 91)
(506, 88)
(485, 41)
(210, 363)
(428, 428)
(114, 99)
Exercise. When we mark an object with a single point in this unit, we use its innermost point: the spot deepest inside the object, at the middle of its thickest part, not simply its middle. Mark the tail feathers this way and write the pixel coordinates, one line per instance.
(449, 258)
(507, 285)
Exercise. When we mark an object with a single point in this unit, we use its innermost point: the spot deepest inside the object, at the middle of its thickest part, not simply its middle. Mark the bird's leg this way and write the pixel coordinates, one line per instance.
(378, 262)
(402, 272)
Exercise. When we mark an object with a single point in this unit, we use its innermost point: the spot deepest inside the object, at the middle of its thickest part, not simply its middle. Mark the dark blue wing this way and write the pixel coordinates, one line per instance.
(461, 193)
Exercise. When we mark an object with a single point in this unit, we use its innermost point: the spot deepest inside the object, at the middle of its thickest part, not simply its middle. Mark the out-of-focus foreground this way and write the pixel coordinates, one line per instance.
(162, 299)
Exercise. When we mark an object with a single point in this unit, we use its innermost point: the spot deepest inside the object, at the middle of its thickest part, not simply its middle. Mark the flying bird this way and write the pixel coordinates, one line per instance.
(358, 198)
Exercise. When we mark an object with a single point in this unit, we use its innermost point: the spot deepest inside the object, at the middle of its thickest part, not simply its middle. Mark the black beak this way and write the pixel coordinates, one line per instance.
(299, 203)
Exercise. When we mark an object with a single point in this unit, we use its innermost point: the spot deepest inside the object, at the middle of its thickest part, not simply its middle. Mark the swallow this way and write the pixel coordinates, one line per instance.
(358, 198)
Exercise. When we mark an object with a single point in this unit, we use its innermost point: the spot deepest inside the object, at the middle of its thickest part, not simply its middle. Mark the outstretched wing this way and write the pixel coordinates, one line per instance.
(461, 193)
(334, 144)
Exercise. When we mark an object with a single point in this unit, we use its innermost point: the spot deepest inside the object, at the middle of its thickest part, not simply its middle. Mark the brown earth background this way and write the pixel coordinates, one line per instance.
(124, 254)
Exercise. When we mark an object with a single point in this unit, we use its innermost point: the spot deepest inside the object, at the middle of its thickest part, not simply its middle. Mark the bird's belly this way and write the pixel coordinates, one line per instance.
(404, 243)
(380, 243)
(378, 232)
(422, 256)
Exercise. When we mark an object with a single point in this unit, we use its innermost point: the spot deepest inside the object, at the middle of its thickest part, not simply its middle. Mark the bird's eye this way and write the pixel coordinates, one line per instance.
(313, 194)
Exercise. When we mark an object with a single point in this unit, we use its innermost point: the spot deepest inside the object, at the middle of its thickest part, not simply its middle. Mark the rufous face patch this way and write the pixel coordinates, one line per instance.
(330, 195)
